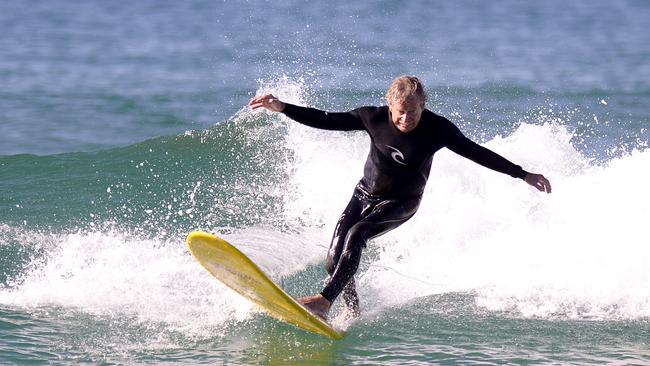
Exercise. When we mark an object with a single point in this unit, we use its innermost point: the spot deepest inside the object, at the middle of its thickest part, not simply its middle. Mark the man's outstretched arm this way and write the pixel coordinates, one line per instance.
(489, 159)
(312, 117)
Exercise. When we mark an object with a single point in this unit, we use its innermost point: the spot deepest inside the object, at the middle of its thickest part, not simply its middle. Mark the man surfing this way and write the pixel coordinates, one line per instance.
(404, 137)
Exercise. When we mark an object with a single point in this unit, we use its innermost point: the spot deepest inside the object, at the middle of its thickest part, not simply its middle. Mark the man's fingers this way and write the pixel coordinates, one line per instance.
(262, 101)
(255, 105)
(256, 99)
(540, 182)
(543, 184)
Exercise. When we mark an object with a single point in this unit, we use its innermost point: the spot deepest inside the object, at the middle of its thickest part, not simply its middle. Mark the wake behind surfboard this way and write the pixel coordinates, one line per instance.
(232, 267)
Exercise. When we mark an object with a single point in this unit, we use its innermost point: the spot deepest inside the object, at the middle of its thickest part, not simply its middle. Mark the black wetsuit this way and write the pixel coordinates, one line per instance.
(395, 174)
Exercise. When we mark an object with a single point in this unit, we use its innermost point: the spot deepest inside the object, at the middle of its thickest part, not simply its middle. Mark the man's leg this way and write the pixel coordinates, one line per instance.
(355, 211)
(350, 216)
(376, 218)
(381, 218)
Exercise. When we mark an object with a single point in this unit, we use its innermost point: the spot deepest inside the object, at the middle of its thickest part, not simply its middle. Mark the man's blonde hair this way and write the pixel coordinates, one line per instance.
(404, 88)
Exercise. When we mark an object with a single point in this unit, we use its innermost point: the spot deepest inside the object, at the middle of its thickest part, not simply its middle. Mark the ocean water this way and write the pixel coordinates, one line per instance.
(124, 126)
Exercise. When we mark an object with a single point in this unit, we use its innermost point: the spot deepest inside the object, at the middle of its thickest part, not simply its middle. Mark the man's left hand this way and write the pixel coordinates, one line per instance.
(538, 181)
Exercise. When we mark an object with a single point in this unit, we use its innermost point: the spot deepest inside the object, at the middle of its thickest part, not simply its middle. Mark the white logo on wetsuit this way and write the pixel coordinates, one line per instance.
(396, 155)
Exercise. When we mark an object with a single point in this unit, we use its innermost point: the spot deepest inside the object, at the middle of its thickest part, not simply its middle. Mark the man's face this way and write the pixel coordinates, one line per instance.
(406, 114)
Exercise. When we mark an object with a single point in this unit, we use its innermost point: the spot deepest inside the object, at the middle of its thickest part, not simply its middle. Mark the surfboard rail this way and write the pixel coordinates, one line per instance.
(234, 269)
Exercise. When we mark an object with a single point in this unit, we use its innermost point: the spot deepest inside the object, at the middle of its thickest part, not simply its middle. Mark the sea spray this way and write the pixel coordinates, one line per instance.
(574, 253)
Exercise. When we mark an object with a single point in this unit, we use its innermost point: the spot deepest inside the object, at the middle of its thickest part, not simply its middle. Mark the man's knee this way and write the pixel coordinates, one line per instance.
(357, 237)
(351, 257)
(331, 264)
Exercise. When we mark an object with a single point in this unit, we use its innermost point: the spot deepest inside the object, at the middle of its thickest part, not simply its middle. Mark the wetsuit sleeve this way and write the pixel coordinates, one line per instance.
(467, 148)
(312, 117)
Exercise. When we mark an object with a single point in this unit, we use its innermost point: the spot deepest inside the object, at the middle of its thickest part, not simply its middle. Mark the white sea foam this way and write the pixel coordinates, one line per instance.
(112, 274)
(109, 273)
(580, 252)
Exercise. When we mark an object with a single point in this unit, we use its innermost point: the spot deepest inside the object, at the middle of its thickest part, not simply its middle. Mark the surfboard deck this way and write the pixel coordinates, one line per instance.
(232, 267)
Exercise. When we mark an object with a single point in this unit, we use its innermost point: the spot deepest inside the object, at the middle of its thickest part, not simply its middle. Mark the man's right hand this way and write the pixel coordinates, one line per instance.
(267, 101)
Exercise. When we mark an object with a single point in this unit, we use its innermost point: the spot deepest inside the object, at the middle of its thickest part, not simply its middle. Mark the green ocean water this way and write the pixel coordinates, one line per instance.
(123, 127)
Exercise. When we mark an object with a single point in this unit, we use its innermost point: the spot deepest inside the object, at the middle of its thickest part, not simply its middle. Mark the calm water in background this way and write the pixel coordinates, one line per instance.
(123, 127)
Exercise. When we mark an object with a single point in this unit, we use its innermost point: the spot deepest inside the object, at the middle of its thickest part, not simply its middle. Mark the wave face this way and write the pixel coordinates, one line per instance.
(110, 224)
(92, 243)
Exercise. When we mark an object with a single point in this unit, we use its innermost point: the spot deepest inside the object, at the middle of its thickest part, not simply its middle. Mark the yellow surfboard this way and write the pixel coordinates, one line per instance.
(237, 271)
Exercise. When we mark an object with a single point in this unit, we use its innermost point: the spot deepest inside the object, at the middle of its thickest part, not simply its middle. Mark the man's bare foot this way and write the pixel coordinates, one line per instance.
(317, 304)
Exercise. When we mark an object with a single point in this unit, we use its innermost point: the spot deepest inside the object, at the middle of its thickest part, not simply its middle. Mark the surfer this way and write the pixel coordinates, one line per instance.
(404, 137)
